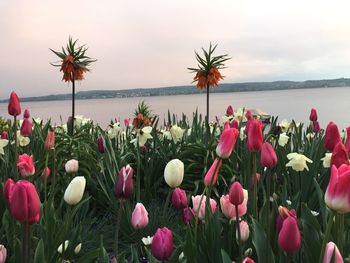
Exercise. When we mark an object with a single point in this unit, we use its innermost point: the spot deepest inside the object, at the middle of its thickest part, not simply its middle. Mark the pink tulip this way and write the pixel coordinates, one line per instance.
(26, 128)
(268, 157)
(179, 198)
(201, 205)
(329, 252)
(229, 110)
(315, 126)
(248, 260)
(125, 183)
(347, 143)
(8, 188)
(14, 107)
(139, 217)
(332, 136)
(236, 194)
(25, 165)
(4, 135)
(289, 238)
(228, 209)
(244, 229)
(162, 244)
(227, 142)
(339, 155)
(313, 115)
(49, 141)
(215, 167)
(255, 136)
(337, 196)
(283, 214)
(3, 254)
(127, 122)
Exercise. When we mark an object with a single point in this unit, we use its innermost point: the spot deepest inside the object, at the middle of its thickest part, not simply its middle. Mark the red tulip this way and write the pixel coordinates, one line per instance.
(234, 124)
(26, 114)
(229, 110)
(339, 155)
(49, 141)
(227, 142)
(162, 244)
(236, 194)
(347, 143)
(4, 135)
(249, 115)
(315, 126)
(139, 217)
(337, 196)
(25, 165)
(179, 198)
(14, 107)
(332, 254)
(332, 136)
(268, 157)
(100, 144)
(8, 188)
(24, 202)
(215, 167)
(125, 183)
(313, 115)
(255, 136)
(248, 260)
(289, 238)
(26, 128)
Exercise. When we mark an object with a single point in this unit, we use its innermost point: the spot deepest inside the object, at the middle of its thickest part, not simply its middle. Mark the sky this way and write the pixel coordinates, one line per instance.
(142, 44)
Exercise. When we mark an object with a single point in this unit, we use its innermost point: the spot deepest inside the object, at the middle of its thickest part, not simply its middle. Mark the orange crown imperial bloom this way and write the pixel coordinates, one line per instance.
(212, 79)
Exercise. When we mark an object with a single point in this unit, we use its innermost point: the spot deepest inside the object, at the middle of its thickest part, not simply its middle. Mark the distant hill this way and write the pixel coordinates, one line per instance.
(183, 90)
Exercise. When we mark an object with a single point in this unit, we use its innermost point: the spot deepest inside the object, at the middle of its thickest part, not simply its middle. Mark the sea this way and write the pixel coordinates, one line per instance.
(332, 104)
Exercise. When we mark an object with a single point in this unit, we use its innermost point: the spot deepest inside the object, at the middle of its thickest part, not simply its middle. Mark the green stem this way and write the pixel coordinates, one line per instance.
(16, 147)
(167, 201)
(207, 104)
(327, 235)
(117, 227)
(239, 234)
(255, 186)
(138, 179)
(340, 232)
(25, 242)
(73, 104)
(268, 194)
(45, 178)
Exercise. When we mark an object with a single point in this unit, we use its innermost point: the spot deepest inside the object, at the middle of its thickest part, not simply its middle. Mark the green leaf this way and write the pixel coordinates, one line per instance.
(260, 243)
(225, 257)
(39, 256)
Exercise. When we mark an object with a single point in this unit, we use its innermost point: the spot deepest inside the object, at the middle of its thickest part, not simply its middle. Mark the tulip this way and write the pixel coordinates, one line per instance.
(339, 155)
(212, 172)
(255, 136)
(26, 114)
(49, 141)
(25, 165)
(45, 173)
(228, 209)
(229, 110)
(60, 248)
(227, 142)
(200, 206)
(75, 190)
(248, 260)
(72, 166)
(332, 254)
(3, 254)
(332, 136)
(127, 122)
(313, 115)
(125, 183)
(187, 215)
(100, 144)
(249, 115)
(268, 156)
(257, 176)
(179, 198)
(347, 143)
(298, 162)
(315, 126)
(139, 217)
(236, 194)
(77, 248)
(244, 230)
(24, 202)
(14, 107)
(26, 128)
(174, 173)
(234, 124)
(338, 190)
(4, 135)
(289, 238)
(162, 244)
(283, 214)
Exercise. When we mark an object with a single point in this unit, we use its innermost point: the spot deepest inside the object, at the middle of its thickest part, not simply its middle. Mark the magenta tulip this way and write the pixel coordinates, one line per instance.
(236, 194)
(229, 110)
(100, 144)
(248, 260)
(313, 115)
(125, 183)
(249, 115)
(315, 126)
(25, 165)
(212, 172)
(332, 136)
(268, 157)
(339, 155)
(162, 244)
(26, 114)
(179, 198)
(289, 238)
(227, 142)
(26, 128)
(139, 217)
(14, 107)
(255, 136)
(4, 135)
(234, 124)
(332, 254)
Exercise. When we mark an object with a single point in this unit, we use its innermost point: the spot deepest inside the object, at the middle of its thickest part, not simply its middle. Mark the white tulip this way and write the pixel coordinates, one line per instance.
(75, 190)
(174, 173)
(59, 249)
(72, 166)
(77, 248)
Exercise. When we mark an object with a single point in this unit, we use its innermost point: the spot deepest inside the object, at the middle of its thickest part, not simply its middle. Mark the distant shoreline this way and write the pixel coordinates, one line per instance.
(188, 90)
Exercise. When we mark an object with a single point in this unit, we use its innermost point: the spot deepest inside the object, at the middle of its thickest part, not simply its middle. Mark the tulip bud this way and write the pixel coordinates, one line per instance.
(100, 144)
(255, 136)
(45, 173)
(77, 248)
(75, 190)
(289, 239)
(313, 115)
(315, 126)
(24, 202)
(248, 260)
(249, 115)
(60, 248)
(234, 124)
(229, 110)
(72, 166)
(26, 114)
(174, 173)
(127, 122)
(244, 229)
(347, 143)
(26, 128)
(3, 254)
(332, 254)
(187, 215)
(8, 188)
(139, 217)
(268, 156)
(179, 198)
(212, 172)
(125, 183)
(332, 136)
(14, 107)
(25, 165)
(49, 141)
(236, 193)
(162, 244)
(4, 135)
(339, 155)
(227, 142)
